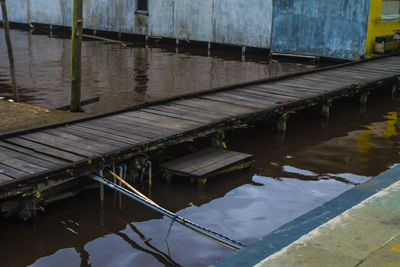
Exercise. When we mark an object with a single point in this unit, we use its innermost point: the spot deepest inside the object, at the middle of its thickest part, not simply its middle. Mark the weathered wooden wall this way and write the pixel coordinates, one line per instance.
(235, 22)
(335, 29)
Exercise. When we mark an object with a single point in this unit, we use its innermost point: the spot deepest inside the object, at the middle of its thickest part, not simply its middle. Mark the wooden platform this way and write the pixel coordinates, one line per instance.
(207, 163)
(34, 159)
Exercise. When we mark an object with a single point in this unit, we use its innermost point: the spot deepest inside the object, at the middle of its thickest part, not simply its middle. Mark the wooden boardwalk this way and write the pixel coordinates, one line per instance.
(63, 151)
(207, 163)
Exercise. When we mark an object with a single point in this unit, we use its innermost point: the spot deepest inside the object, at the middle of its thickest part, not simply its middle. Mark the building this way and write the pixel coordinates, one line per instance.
(344, 29)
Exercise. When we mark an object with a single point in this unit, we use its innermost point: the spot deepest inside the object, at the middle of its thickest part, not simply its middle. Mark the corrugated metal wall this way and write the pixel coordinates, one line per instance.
(237, 22)
(327, 28)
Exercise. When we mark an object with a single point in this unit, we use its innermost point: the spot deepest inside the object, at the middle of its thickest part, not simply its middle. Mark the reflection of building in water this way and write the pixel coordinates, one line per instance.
(112, 72)
(359, 152)
(141, 65)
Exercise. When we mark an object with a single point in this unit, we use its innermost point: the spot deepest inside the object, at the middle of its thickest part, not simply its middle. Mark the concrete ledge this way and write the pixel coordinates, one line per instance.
(287, 234)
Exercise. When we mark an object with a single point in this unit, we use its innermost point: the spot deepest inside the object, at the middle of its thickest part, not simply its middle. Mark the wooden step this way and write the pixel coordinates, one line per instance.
(207, 163)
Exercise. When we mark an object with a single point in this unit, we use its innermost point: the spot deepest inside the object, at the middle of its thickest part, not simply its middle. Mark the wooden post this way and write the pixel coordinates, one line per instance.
(76, 51)
(9, 50)
(281, 124)
(326, 109)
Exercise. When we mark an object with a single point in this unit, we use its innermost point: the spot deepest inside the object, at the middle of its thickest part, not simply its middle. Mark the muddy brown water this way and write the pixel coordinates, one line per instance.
(314, 162)
(123, 76)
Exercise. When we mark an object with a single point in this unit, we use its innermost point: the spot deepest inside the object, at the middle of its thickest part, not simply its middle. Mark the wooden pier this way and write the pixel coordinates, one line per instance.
(34, 160)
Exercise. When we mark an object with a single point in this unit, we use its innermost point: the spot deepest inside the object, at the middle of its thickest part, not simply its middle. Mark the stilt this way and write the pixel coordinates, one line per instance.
(76, 51)
(363, 99)
(168, 178)
(209, 49)
(119, 35)
(281, 124)
(316, 60)
(243, 53)
(395, 87)
(9, 50)
(101, 186)
(218, 140)
(270, 57)
(326, 110)
(94, 32)
(202, 183)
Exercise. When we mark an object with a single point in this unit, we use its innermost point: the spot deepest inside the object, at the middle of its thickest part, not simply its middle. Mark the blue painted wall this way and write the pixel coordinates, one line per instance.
(329, 28)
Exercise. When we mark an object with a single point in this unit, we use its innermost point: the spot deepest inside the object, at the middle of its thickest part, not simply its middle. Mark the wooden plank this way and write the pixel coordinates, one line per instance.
(189, 160)
(303, 86)
(5, 178)
(99, 139)
(275, 92)
(363, 73)
(113, 125)
(45, 149)
(163, 121)
(209, 115)
(219, 165)
(345, 75)
(11, 172)
(143, 126)
(235, 100)
(105, 127)
(210, 105)
(23, 166)
(380, 70)
(106, 136)
(281, 89)
(266, 100)
(278, 97)
(32, 153)
(7, 153)
(330, 80)
(93, 145)
(191, 117)
(203, 162)
(62, 144)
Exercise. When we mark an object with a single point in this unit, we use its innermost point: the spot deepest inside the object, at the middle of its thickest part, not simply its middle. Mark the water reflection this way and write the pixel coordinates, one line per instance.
(288, 179)
(122, 76)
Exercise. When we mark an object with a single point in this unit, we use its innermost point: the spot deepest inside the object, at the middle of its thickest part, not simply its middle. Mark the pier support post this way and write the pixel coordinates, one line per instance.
(202, 184)
(218, 140)
(168, 178)
(76, 51)
(395, 87)
(243, 53)
(9, 49)
(270, 56)
(364, 98)
(281, 124)
(209, 49)
(326, 109)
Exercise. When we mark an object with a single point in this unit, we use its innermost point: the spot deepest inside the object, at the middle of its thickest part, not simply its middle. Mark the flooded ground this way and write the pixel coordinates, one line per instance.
(292, 174)
(123, 76)
(315, 162)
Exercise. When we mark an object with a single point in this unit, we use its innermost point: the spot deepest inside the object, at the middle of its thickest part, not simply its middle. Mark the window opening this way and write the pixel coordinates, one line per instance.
(142, 7)
(390, 10)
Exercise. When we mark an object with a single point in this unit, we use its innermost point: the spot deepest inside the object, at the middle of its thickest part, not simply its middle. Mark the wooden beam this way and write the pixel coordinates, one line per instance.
(9, 50)
(76, 52)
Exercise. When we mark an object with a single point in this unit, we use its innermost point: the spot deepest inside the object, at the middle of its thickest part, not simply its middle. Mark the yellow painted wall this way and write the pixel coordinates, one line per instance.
(376, 27)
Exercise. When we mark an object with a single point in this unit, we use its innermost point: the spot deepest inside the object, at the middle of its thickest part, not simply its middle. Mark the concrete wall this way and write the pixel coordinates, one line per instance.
(320, 27)
(237, 22)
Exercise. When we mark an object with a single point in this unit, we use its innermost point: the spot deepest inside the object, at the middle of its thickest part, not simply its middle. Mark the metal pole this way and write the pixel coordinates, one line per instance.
(9, 49)
(191, 225)
(76, 52)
